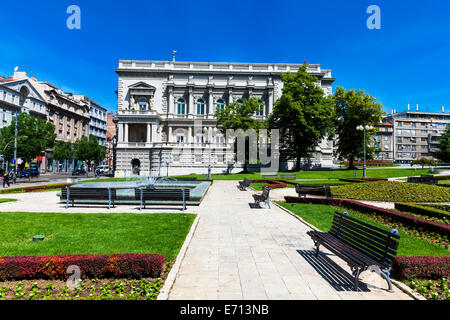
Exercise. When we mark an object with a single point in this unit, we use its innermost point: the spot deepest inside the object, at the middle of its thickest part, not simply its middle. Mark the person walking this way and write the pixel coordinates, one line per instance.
(6, 179)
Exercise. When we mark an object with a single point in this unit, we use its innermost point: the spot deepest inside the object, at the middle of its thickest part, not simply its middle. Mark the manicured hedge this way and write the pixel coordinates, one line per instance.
(418, 209)
(421, 267)
(55, 186)
(273, 184)
(408, 219)
(129, 265)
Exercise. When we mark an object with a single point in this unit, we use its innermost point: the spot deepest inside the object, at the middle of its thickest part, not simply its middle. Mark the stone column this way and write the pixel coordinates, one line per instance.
(169, 135)
(230, 96)
(190, 106)
(189, 137)
(149, 139)
(120, 127)
(210, 103)
(154, 133)
(126, 132)
(170, 102)
(270, 106)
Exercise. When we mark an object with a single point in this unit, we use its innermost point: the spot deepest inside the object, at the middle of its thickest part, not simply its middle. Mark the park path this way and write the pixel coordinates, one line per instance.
(238, 252)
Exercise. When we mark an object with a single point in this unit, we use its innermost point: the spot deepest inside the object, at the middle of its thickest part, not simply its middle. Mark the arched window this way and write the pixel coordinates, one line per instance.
(220, 105)
(181, 106)
(199, 137)
(200, 107)
(142, 104)
(260, 110)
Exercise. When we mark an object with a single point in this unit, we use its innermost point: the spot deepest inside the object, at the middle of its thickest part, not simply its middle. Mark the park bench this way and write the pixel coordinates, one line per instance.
(302, 191)
(161, 194)
(361, 245)
(263, 197)
(72, 194)
(289, 176)
(269, 176)
(243, 185)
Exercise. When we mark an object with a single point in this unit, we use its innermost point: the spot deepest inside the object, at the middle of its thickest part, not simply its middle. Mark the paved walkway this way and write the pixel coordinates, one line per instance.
(242, 253)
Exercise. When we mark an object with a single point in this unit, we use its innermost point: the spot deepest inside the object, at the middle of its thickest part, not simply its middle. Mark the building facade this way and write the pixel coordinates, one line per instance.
(415, 134)
(165, 108)
(97, 119)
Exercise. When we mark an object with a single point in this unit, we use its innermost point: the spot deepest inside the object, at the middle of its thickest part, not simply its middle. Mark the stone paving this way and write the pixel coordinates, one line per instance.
(238, 252)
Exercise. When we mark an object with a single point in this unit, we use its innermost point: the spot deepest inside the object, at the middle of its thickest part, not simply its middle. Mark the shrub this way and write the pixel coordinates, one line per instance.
(55, 186)
(422, 210)
(362, 207)
(130, 265)
(273, 184)
(392, 191)
(421, 267)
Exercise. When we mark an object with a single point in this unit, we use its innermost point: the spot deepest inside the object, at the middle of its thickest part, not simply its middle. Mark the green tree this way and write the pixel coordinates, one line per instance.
(63, 151)
(303, 114)
(35, 135)
(240, 116)
(88, 149)
(354, 108)
(443, 152)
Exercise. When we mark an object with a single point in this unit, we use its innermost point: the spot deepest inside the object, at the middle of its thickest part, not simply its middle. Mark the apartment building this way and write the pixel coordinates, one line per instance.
(412, 134)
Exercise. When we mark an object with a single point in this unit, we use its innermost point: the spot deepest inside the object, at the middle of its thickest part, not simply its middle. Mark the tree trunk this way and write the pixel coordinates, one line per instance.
(351, 166)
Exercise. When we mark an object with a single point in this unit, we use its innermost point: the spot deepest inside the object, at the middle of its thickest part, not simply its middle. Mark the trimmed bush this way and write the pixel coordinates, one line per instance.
(129, 265)
(421, 267)
(408, 219)
(273, 184)
(55, 186)
(422, 210)
(392, 191)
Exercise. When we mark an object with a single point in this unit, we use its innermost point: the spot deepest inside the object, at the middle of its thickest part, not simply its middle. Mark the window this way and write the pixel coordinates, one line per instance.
(142, 104)
(399, 132)
(181, 106)
(200, 107)
(240, 101)
(220, 105)
(260, 111)
(386, 138)
(4, 115)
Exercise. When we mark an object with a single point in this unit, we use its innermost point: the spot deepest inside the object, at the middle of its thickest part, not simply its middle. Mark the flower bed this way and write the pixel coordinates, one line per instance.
(273, 184)
(392, 191)
(422, 210)
(421, 267)
(91, 266)
(399, 216)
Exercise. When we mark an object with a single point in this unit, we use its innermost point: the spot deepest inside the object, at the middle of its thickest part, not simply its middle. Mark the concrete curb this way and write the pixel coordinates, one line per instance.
(403, 287)
(168, 284)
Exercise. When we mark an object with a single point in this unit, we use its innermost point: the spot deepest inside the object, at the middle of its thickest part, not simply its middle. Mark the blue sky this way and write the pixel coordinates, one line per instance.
(406, 61)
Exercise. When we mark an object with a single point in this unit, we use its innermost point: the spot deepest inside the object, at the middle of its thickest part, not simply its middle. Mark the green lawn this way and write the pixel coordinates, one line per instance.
(336, 174)
(93, 233)
(321, 217)
(392, 191)
(444, 181)
(7, 200)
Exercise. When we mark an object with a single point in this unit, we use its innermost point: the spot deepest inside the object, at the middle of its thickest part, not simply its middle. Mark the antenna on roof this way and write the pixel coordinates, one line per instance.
(173, 55)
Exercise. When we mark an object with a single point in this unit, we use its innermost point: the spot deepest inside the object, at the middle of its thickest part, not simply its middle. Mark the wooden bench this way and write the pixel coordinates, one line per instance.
(269, 176)
(263, 197)
(155, 194)
(288, 176)
(243, 185)
(71, 194)
(361, 245)
(302, 191)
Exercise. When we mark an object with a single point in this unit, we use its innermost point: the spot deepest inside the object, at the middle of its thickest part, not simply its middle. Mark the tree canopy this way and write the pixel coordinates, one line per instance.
(303, 114)
(34, 136)
(63, 150)
(443, 152)
(88, 149)
(352, 109)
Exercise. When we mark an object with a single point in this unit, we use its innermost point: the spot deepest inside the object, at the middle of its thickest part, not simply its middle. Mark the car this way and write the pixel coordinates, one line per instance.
(26, 173)
(78, 171)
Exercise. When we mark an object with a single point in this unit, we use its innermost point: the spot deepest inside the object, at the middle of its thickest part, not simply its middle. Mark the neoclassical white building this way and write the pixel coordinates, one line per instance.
(164, 107)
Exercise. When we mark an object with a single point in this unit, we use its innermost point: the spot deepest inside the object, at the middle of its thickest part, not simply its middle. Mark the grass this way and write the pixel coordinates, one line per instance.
(392, 191)
(444, 181)
(7, 200)
(321, 216)
(325, 174)
(95, 233)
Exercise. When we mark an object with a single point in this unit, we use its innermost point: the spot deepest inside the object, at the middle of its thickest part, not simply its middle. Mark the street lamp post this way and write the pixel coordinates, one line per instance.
(364, 128)
(15, 151)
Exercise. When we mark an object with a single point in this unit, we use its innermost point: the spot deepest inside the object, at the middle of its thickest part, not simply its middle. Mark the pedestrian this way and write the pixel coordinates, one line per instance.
(6, 179)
